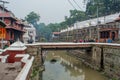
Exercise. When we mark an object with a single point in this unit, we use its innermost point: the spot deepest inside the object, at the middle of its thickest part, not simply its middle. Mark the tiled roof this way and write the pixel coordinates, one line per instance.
(56, 32)
(10, 27)
(19, 22)
(7, 15)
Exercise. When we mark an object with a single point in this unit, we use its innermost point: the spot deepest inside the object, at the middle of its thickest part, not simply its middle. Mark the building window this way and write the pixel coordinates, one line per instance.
(104, 34)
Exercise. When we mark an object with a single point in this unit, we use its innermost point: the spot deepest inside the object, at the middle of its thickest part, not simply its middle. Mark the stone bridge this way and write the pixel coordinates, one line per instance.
(100, 56)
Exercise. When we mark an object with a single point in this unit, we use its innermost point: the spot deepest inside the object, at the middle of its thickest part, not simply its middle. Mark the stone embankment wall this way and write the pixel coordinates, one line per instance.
(37, 66)
(104, 58)
(107, 58)
(112, 62)
(84, 56)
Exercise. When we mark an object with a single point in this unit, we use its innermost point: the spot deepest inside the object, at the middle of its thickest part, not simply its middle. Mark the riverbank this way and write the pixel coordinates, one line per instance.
(79, 54)
(67, 67)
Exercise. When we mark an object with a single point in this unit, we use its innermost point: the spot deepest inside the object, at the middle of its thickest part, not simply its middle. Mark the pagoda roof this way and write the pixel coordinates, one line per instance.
(8, 15)
(18, 45)
(14, 28)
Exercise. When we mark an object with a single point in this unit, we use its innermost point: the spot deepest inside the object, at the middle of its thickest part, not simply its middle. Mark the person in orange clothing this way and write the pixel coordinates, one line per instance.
(96, 40)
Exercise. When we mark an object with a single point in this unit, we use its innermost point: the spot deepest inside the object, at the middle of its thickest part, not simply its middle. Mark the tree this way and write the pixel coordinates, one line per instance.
(54, 27)
(106, 7)
(32, 18)
(75, 15)
(44, 32)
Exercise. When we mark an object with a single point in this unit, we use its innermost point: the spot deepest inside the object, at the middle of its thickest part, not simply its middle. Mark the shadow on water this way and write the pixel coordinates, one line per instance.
(53, 61)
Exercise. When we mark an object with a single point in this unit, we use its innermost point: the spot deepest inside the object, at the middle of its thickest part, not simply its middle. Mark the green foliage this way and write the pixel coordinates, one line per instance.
(75, 15)
(32, 18)
(54, 27)
(105, 7)
(63, 25)
(44, 32)
(41, 29)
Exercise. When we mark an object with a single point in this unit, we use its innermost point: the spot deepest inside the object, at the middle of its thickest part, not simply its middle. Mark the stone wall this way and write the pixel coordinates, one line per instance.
(32, 50)
(83, 55)
(91, 58)
(112, 62)
(105, 58)
(37, 66)
(96, 57)
(110, 58)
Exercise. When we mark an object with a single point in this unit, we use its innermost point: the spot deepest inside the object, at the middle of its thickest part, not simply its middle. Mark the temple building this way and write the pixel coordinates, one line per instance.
(101, 29)
(15, 63)
(14, 27)
(30, 34)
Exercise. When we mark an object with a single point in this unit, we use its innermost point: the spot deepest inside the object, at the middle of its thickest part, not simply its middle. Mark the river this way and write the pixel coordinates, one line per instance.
(67, 68)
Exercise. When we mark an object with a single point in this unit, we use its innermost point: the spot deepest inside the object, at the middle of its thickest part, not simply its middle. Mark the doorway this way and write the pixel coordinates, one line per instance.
(113, 36)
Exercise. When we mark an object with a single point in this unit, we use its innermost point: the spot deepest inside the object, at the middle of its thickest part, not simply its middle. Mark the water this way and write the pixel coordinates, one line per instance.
(68, 68)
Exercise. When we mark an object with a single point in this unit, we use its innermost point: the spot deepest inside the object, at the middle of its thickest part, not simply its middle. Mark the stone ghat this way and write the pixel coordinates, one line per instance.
(9, 71)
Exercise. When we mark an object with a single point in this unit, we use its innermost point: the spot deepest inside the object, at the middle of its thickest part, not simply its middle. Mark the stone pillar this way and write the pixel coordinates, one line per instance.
(119, 33)
(96, 57)
(116, 35)
(110, 34)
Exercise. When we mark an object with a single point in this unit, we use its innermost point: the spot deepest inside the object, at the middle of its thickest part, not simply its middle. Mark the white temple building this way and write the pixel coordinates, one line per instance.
(30, 33)
(92, 22)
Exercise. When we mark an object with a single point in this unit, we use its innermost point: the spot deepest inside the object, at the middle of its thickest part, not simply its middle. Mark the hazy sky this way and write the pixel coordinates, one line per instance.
(51, 11)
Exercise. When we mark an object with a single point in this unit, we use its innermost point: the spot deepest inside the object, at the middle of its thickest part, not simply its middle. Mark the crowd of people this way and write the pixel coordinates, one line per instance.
(109, 40)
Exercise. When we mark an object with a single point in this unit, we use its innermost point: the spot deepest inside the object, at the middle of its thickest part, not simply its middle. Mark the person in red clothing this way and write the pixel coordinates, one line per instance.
(80, 40)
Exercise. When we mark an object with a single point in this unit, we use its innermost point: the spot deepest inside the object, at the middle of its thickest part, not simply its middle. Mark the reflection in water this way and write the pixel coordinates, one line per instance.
(67, 68)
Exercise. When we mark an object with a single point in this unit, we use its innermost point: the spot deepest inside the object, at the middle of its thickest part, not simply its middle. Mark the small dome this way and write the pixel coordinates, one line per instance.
(18, 45)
